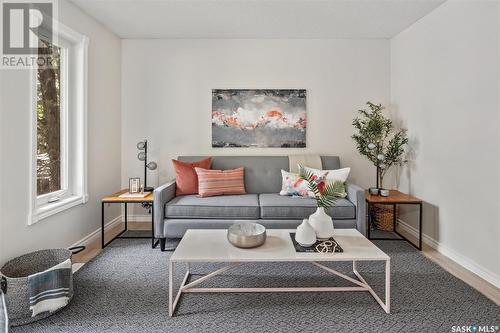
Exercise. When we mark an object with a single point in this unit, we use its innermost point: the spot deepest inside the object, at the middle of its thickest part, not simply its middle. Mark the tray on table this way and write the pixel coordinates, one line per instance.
(300, 248)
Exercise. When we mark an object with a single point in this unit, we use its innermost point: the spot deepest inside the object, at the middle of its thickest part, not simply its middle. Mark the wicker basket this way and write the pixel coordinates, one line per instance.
(15, 273)
(382, 217)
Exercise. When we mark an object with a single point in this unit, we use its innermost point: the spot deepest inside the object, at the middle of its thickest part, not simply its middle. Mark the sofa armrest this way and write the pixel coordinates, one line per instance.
(161, 195)
(356, 195)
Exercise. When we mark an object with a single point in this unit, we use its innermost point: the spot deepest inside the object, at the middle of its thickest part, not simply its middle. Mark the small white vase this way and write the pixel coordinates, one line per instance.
(322, 224)
(305, 234)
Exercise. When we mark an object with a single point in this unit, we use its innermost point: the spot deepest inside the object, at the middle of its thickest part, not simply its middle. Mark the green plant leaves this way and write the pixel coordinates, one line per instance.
(373, 127)
(330, 193)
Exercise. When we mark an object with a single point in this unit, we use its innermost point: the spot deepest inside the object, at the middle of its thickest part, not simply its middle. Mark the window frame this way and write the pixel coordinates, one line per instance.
(73, 94)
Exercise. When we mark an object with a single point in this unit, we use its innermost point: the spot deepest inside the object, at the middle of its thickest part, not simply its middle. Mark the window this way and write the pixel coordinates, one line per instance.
(59, 125)
(51, 168)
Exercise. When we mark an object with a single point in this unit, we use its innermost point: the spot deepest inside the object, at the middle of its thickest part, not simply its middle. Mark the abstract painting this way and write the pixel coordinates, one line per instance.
(259, 118)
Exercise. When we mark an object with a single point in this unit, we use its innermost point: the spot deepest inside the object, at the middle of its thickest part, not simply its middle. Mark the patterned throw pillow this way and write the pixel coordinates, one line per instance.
(220, 182)
(331, 175)
(293, 185)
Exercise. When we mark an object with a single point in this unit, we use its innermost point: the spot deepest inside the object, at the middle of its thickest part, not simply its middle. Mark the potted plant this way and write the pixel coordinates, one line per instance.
(377, 139)
(326, 194)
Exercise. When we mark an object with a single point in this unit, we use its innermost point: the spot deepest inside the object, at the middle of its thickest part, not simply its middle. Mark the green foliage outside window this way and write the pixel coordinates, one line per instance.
(48, 112)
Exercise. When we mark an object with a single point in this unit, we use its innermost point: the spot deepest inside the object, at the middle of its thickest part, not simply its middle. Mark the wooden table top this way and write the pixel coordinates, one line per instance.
(395, 197)
(115, 197)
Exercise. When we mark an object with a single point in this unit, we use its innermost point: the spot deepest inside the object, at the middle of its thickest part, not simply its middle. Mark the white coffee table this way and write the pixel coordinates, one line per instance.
(213, 246)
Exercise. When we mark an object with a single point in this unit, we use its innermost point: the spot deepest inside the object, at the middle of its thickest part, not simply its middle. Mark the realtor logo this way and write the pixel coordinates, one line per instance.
(22, 25)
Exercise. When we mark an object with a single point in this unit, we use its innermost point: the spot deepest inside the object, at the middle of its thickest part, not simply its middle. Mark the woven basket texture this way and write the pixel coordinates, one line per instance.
(383, 217)
(17, 270)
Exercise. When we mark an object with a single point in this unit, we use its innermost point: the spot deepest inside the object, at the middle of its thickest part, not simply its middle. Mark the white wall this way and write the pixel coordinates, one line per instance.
(167, 84)
(66, 228)
(2, 232)
(445, 88)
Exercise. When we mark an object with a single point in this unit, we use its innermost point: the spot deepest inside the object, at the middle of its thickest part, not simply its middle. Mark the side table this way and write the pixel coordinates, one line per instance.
(394, 199)
(146, 202)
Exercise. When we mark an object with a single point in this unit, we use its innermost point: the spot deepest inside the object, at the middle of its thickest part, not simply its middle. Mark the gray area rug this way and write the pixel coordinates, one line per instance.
(124, 289)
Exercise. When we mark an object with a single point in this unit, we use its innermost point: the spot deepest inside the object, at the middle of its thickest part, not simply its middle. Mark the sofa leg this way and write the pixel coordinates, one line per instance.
(163, 241)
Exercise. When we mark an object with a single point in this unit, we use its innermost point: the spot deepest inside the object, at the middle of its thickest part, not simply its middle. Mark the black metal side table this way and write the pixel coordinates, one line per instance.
(146, 202)
(394, 199)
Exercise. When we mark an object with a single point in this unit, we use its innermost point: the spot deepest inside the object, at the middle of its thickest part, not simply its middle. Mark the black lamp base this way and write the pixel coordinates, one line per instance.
(149, 189)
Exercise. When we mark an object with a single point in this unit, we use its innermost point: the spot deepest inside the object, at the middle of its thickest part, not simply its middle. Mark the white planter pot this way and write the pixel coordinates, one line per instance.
(305, 234)
(322, 224)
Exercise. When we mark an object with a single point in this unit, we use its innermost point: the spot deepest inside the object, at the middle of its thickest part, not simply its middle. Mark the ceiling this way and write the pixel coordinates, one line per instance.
(257, 18)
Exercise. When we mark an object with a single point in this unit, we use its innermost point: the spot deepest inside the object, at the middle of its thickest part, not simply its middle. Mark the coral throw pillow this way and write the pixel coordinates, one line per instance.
(186, 179)
(220, 182)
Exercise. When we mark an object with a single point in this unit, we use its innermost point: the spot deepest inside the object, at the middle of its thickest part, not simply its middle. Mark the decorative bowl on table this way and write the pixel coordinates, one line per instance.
(246, 235)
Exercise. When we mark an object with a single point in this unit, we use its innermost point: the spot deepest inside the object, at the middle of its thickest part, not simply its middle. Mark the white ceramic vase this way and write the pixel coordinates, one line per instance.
(322, 224)
(305, 234)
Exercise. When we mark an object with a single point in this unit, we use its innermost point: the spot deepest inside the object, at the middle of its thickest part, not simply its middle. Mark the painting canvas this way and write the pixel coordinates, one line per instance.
(259, 118)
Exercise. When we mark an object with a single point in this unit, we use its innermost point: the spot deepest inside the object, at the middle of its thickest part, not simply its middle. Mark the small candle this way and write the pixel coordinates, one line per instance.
(384, 193)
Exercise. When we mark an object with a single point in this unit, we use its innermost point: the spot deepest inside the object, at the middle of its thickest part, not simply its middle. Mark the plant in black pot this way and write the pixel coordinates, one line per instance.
(378, 140)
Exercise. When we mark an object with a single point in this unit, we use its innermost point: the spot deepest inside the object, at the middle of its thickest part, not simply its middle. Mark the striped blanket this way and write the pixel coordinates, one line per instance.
(50, 290)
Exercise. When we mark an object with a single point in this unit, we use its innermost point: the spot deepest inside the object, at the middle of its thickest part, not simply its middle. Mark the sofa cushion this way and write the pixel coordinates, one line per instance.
(293, 185)
(275, 206)
(213, 183)
(221, 207)
(331, 176)
(186, 179)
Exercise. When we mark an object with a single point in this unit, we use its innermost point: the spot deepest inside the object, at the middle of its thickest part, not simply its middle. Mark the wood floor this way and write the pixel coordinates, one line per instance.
(94, 248)
(449, 265)
(473, 280)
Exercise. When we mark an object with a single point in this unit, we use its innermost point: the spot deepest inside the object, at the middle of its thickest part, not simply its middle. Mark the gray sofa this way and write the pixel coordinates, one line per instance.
(262, 203)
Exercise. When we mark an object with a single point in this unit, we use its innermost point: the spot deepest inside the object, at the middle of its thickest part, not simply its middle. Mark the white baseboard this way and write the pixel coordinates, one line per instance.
(120, 218)
(414, 232)
(97, 233)
(460, 259)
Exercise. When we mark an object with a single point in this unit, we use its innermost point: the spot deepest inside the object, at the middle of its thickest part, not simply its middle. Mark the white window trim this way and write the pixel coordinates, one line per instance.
(78, 105)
